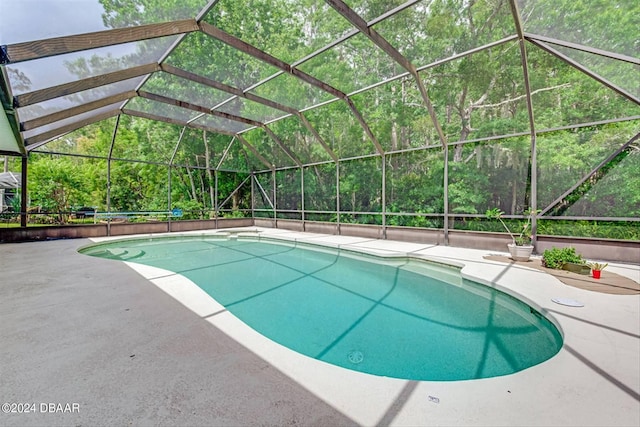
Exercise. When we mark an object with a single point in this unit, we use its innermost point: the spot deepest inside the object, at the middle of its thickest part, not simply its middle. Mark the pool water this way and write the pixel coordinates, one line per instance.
(399, 317)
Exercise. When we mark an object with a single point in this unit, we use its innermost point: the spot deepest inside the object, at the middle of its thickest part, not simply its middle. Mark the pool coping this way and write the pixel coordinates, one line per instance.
(593, 380)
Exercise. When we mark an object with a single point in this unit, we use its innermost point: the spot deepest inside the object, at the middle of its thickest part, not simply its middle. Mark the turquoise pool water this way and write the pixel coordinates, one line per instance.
(399, 318)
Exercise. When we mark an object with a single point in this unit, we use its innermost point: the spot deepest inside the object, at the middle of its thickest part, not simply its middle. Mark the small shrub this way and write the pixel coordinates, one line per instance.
(557, 257)
(235, 213)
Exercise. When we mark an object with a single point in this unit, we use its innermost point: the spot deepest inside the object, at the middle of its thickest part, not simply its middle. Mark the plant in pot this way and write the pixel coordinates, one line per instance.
(596, 268)
(566, 259)
(520, 248)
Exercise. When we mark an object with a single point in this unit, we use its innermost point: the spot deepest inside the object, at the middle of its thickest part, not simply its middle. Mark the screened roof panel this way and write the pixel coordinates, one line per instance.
(191, 151)
(218, 145)
(73, 17)
(81, 141)
(484, 93)
(220, 123)
(40, 109)
(397, 115)
(228, 160)
(41, 73)
(369, 10)
(603, 24)
(28, 20)
(568, 96)
(437, 34)
(222, 62)
(292, 92)
(238, 158)
(184, 90)
(282, 28)
(124, 143)
(343, 134)
(348, 66)
(155, 144)
(622, 74)
(302, 143)
(69, 121)
(161, 109)
(267, 147)
(287, 52)
(251, 110)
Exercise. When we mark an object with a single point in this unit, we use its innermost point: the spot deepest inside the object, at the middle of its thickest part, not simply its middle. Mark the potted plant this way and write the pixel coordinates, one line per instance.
(520, 248)
(596, 268)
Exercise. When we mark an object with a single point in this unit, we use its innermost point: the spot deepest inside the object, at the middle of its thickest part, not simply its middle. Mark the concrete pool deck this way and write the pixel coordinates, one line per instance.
(143, 346)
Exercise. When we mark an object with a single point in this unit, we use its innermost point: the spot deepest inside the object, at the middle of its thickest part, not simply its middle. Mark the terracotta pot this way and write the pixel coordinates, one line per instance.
(520, 253)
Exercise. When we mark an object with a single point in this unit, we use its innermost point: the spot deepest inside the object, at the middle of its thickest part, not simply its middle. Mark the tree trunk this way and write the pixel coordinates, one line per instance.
(207, 164)
(194, 193)
(394, 136)
(202, 190)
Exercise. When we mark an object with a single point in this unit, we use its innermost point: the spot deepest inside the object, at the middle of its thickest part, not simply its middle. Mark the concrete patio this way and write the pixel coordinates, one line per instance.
(142, 346)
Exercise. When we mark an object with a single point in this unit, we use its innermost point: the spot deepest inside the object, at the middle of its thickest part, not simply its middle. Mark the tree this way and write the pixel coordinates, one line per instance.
(56, 186)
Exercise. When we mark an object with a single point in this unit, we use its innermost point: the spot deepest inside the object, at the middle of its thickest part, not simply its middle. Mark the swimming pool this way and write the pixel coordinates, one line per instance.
(395, 317)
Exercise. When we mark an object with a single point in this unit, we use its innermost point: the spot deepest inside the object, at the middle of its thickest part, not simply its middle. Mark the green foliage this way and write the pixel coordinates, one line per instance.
(191, 209)
(414, 221)
(16, 203)
(233, 214)
(556, 257)
(604, 229)
(56, 186)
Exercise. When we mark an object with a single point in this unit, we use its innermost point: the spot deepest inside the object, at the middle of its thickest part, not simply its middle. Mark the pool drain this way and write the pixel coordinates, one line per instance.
(355, 357)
